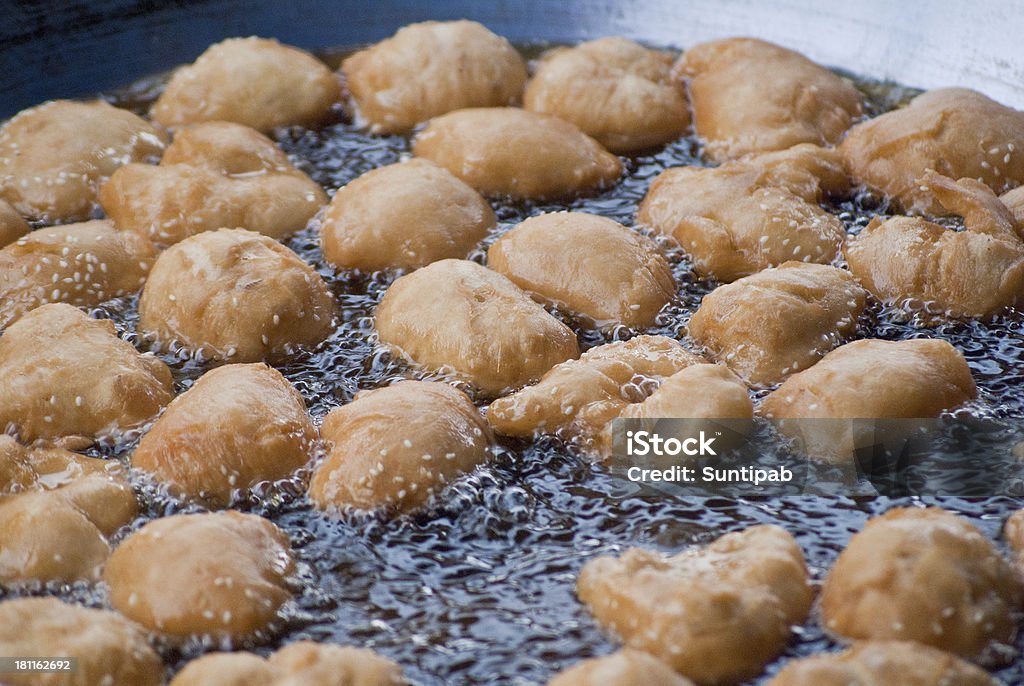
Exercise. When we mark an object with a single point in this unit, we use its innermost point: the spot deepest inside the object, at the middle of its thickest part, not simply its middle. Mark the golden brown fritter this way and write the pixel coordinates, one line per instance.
(754, 213)
(431, 68)
(590, 392)
(69, 379)
(749, 96)
(54, 157)
(955, 131)
(236, 295)
(394, 447)
(504, 151)
(236, 426)
(302, 663)
(716, 614)
(883, 663)
(593, 266)
(977, 272)
(404, 215)
(456, 315)
(923, 575)
(252, 81)
(80, 264)
(214, 175)
(221, 574)
(769, 325)
(625, 667)
(616, 91)
(110, 649)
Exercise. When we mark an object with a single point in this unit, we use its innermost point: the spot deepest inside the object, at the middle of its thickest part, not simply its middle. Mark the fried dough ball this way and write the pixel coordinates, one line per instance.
(872, 378)
(1014, 201)
(302, 663)
(923, 575)
(12, 226)
(591, 265)
(616, 91)
(977, 272)
(623, 668)
(236, 295)
(69, 379)
(404, 215)
(756, 212)
(1013, 532)
(511, 152)
(55, 157)
(80, 264)
(394, 447)
(771, 324)
(236, 426)
(749, 95)
(221, 574)
(431, 68)
(109, 648)
(717, 614)
(214, 175)
(64, 506)
(883, 663)
(457, 315)
(955, 131)
(252, 81)
(591, 391)
(700, 391)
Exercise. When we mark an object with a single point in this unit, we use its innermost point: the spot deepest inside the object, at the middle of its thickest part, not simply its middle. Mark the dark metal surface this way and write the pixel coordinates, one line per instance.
(65, 49)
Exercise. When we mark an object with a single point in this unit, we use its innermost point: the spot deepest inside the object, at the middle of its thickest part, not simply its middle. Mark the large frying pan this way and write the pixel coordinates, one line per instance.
(52, 50)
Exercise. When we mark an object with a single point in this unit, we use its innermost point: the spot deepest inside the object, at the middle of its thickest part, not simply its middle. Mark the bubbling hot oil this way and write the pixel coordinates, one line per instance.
(481, 589)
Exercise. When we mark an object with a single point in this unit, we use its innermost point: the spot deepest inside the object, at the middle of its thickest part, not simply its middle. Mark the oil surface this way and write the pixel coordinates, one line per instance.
(480, 589)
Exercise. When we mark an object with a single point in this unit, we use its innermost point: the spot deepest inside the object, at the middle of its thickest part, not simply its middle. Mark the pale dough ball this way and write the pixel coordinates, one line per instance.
(404, 215)
(430, 68)
(716, 614)
(883, 663)
(591, 265)
(222, 574)
(754, 213)
(55, 157)
(236, 426)
(504, 151)
(750, 96)
(236, 295)
(12, 226)
(977, 272)
(586, 394)
(923, 575)
(80, 264)
(252, 81)
(302, 663)
(769, 325)
(394, 447)
(214, 175)
(69, 379)
(57, 513)
(457, 315)
(957, 132)
(623, 668)
(616, 91)
(110, 649)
